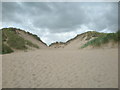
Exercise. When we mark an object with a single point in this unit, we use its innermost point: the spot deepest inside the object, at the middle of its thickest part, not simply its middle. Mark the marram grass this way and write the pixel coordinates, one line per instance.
(11, 40)
(105, 38)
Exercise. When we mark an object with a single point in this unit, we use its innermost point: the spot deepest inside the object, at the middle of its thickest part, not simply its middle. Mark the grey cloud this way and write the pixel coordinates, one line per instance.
(103, 16)
(10, 12)
(60, 17)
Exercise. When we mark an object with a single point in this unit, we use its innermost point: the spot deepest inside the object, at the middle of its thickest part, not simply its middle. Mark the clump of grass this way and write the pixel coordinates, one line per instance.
(94, 34)
(114, 37)
(31, 44)
(91, 34)
(6, 49)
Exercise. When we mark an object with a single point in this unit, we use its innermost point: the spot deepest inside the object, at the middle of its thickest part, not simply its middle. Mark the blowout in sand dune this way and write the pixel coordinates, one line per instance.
(61, 44)
(60, 65)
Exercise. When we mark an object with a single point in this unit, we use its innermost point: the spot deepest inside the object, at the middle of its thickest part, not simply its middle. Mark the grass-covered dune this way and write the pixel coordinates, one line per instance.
(103, 39)
(11, 41)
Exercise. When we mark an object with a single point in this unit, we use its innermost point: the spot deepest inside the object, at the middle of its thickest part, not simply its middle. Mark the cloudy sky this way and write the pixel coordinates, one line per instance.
(60, 21)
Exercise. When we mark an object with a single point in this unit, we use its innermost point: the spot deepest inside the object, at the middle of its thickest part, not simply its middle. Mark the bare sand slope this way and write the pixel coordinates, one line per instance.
(61, 69)
(33, 39)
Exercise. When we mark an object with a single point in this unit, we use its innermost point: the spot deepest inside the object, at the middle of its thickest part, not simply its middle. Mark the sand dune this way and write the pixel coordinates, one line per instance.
(61, 65)
(66, 68)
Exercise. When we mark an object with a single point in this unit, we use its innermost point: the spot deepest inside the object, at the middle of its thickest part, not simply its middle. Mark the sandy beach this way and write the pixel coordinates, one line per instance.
(97, 68)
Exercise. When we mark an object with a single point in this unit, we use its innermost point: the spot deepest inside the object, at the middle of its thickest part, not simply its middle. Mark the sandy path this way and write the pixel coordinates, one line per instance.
(61, 69)
(0, 71)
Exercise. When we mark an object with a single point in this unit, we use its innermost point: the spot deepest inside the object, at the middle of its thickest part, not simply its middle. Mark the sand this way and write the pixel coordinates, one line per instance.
(32, 39)
(0, 71)
(97, 68)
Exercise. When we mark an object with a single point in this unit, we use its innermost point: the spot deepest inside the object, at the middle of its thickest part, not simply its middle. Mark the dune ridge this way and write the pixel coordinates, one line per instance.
(14, 40)
(84, 41)
(28, 41)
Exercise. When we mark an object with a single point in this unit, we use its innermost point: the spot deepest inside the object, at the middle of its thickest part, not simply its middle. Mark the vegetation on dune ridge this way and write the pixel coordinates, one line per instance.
(103, 39)
(14, 29)
(93, 34)
(57, 43)
(88, 34)
(11, 40)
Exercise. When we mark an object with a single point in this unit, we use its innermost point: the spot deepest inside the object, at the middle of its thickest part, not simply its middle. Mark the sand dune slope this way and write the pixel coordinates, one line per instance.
(61, 69)
(33, 39)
